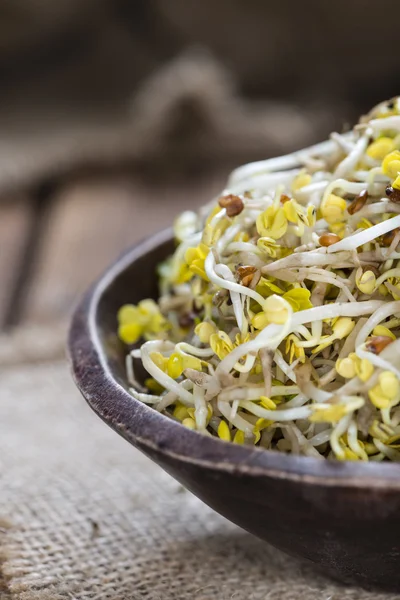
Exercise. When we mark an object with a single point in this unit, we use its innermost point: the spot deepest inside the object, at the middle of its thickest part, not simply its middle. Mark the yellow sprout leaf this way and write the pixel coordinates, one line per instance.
(195, 258)
(380, 148)
(260, 320)
(183, 275)
(298, 298)
(180, 412)
(366, 282)
(238, 437)
(382, 330)
(272, 223)
(224, 431)
(346, 367)
(391, 164)
(153, 385)
(128, 314)
(364, 368)
(269, 246)
(389, 384)
(332, 209)
(189, 423)
(298, 214)
(301, 180)
(325, 413)
(204, 331)
(221, 344)
(159, 360)
(266, 288)
(130, 333)
(384, 392)
(343, 327)
(350, 455)
(396, 183)
(177, 363)
(145, 319)
(267, 403)
(293, 349)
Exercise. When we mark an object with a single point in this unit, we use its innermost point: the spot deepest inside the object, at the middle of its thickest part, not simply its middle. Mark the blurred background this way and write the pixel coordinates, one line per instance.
(117, 114)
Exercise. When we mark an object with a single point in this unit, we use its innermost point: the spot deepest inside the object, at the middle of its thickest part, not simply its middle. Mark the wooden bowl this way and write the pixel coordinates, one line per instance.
(342, 516)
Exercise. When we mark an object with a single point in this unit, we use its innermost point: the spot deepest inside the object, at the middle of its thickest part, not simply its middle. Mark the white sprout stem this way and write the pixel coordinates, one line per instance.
(170, 397)
(314, 258)
(340, 309)
(337, 433)
(145, 398)
(283, 365)
(320, 396)
(321, 438)
(334, 281)
(366, 235)
(201, 412)
(306, 448)
(187, 349)
(228, 236)
(288, 161)
(382, 312)
(165, 380)
(242, 247)
(378, 125)
(374, 209)
(225, 272)
(349, 163)
(236, 420)
(386, 275)
(248, 364)
(377, 361)
(304, 194)
(302, 412)
(255, 392)
(131, 374)
(298, 400)
(391, 453)
(272, 335)
(343, 142)
(210, 264)
(354, 444)
(350, 187)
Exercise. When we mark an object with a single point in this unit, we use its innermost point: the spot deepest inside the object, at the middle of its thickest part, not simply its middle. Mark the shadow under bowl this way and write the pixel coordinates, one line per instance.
(342, 516)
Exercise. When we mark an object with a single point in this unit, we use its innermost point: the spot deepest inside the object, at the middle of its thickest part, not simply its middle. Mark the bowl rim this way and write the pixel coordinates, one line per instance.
(113, 403)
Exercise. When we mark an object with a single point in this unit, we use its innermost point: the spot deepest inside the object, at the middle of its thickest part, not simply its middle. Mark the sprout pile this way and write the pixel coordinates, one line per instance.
(278, 319)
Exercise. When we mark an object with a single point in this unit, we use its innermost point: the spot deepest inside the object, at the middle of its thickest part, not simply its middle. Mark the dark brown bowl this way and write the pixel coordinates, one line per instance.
(342, 516)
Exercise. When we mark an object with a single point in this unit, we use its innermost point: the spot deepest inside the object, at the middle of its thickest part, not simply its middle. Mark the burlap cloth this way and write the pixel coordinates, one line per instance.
(83, 515)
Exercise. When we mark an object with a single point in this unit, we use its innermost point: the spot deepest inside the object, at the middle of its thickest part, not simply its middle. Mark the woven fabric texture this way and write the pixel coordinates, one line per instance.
(84, 516)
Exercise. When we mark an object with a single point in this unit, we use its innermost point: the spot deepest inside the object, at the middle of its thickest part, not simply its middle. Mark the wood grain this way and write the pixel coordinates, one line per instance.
(90, 223)
(16, 220)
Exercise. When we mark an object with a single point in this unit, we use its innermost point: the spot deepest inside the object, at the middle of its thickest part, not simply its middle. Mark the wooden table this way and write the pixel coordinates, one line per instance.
(56, 239)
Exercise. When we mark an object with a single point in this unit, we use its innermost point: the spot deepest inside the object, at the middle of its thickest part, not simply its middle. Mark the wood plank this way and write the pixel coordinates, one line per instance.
(16, 221)
(91, 222)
